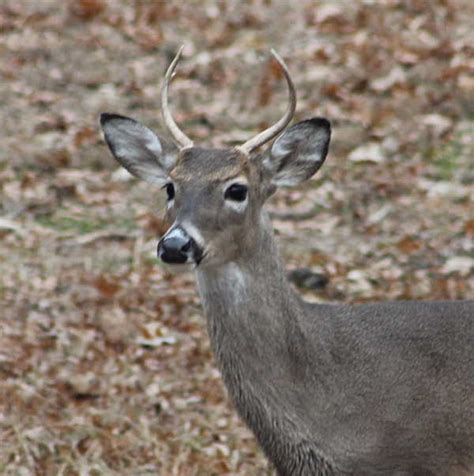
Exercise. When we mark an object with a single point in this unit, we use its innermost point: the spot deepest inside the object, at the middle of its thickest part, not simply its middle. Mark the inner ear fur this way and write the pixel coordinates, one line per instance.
(299, 152)
(137, 148)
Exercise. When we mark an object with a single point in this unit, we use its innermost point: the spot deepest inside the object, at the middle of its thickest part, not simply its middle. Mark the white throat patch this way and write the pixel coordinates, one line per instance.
(230, 280)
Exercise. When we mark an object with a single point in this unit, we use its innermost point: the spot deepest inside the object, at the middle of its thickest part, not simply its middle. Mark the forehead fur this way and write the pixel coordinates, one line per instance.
(198, 163)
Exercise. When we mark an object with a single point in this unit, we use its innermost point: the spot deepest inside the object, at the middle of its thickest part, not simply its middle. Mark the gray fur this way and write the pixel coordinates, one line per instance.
(377, 389)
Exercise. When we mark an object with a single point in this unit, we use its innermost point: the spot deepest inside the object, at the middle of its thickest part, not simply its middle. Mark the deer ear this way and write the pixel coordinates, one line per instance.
(137, 148)
(299, 152)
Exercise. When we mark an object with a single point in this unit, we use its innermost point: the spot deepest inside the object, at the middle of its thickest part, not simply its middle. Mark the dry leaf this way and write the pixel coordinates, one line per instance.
(408, 245)
(372, 152)
(459, 264)
(107, 286)
(86, 9)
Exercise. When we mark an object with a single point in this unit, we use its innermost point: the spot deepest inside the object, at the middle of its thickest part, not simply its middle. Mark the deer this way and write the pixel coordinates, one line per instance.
(328, 389)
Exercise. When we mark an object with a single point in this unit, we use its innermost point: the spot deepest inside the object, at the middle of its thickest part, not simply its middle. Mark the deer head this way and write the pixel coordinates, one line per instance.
(215, 196)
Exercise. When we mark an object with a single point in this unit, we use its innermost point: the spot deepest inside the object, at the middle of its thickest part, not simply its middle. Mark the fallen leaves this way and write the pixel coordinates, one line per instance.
(105, 362)
(409, 244)
(395, 77)
(464, 265)
(437, 123)
(86, 10)
(106, 286)
(371, 152)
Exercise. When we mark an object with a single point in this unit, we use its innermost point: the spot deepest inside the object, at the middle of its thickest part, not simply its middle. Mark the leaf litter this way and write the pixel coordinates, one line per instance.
(105, 363)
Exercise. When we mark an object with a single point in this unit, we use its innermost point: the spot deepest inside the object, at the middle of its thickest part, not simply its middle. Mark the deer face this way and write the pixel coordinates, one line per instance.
(215, 196)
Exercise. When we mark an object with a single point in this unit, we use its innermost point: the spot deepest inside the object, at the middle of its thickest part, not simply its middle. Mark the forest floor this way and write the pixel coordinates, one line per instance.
(104, 360)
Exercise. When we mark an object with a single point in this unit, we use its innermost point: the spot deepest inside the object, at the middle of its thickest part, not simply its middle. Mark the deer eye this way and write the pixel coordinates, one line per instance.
(236, 192)
(169, 187)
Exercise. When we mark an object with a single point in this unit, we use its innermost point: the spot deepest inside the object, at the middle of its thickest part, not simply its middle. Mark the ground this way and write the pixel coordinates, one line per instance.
(104, 359)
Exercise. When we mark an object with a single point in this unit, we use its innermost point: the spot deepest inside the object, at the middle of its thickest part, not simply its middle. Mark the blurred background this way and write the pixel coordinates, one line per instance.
(104, 360)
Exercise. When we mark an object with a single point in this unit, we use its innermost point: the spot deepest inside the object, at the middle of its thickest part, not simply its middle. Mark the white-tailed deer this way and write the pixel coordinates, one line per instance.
(377, 389)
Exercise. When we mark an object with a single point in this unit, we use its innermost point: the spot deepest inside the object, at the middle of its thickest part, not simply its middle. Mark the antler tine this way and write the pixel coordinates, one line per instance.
(181, 139)
(274, 130)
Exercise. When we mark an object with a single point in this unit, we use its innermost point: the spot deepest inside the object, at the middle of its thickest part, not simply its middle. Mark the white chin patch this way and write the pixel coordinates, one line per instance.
(180, 268)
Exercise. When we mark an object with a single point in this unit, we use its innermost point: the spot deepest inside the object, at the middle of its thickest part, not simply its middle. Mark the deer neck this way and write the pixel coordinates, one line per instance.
(250, 296)
(253, 317)
(254, 320)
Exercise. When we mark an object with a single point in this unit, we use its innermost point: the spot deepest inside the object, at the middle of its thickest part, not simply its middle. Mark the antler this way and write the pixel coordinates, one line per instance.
(179, 136)
(274, 130)
(260, 139)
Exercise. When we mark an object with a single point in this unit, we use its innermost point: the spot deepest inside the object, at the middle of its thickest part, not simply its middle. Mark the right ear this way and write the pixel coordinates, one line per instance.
(137, 148)
(299, 152)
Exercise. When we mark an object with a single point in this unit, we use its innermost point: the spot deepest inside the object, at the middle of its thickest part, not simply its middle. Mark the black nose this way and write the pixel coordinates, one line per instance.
(176, 247)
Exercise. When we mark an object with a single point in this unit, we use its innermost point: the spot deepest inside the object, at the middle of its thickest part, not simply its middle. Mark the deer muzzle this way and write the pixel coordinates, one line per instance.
(177, 247)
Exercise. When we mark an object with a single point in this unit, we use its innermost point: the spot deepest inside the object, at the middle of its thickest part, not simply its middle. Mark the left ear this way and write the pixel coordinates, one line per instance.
(299, 152)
